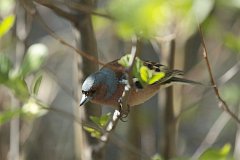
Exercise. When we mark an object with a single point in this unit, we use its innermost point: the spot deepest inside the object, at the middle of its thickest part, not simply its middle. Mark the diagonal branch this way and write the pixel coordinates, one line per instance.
(60, 12)
(88, 10)
(222, 104)
(129, 76)
(34, 12)
(124, 99)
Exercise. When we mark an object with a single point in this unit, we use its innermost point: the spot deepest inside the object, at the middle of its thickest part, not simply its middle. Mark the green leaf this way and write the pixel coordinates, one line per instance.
(141, 17)
(225, 150)
(94, 133)
(10, 78)
(8, 115)
(35, 57)
(104, 119)
(125, 60)
(146, 18)
(36, 84)
(5, 66)
(101, 121)
(218, 154)
(6, 25)
(19, 88)
(232, 42)
(156, 157)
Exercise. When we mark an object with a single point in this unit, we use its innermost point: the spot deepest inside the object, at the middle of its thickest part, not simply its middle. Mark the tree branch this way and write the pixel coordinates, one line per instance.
(60, 12)
(222, 104)
(34, 12)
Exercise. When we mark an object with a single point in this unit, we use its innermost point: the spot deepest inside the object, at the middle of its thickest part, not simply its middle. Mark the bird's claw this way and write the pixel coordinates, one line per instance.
(123, 113)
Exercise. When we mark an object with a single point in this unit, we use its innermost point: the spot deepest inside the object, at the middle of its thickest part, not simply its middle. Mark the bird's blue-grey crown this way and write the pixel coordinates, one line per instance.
(103, 77)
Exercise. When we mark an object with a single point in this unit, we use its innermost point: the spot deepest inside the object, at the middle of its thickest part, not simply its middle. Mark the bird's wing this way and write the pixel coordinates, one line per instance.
(157, 68)
(144, 72)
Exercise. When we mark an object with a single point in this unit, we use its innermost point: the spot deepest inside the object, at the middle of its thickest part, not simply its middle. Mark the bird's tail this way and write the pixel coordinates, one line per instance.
(182, 80)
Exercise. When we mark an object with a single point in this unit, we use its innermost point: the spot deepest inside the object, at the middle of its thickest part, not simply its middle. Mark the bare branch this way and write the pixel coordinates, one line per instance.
(124, 100)
(64, 14)
(129, 77)
(86, 9)
(222, 104)
(34, 12)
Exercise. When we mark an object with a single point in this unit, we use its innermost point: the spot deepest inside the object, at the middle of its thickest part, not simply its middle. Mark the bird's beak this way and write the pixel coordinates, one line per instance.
(85, 99)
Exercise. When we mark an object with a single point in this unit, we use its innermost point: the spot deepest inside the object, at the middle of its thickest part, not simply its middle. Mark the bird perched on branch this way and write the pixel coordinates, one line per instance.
(106, 86)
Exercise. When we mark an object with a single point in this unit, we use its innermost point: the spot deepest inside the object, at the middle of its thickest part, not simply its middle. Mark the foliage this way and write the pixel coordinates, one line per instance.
(8, 115)
(156, 157)
(232, 42)
(6, 24)
(14, 77)
(218, 154)
(101, 122)
(148, 18)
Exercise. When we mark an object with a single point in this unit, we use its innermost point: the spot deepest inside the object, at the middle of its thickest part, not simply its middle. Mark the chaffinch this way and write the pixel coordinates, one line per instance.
(106, 86)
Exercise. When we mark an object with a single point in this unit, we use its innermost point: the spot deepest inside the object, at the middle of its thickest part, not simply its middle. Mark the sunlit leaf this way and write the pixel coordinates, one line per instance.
(156, 157)
(36, 84)
(102, 120)
(6, 116)
(5, 66)
(125, 60)
(225, 150)
(35, 57)
(218, 154)
(105, 119)
(94, 133)
(6, 24)
(141, 17)
(19, 87)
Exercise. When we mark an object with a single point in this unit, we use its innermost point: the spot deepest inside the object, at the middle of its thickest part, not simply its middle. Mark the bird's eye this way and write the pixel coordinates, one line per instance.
(89, 93)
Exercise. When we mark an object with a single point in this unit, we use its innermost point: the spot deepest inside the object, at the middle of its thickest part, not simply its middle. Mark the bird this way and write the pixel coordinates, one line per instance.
(106, 86)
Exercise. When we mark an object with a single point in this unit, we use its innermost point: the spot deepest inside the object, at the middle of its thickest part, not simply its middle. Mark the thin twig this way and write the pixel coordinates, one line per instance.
(112, 138)
(124, 100)
(36, 14)
(86, 9)
(222, 80)
(222, 104)
(129, 77)
(60, 12)
(55, 36)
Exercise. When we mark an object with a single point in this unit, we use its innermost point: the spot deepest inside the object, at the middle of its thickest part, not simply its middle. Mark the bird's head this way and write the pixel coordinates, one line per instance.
(89, 88)
(99, 85)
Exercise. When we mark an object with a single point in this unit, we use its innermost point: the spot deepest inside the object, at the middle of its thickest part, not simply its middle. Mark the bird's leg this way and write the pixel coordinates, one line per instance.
(123, 113)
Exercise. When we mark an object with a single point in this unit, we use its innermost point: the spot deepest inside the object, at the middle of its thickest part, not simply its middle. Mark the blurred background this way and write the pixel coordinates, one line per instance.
(44, 57)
